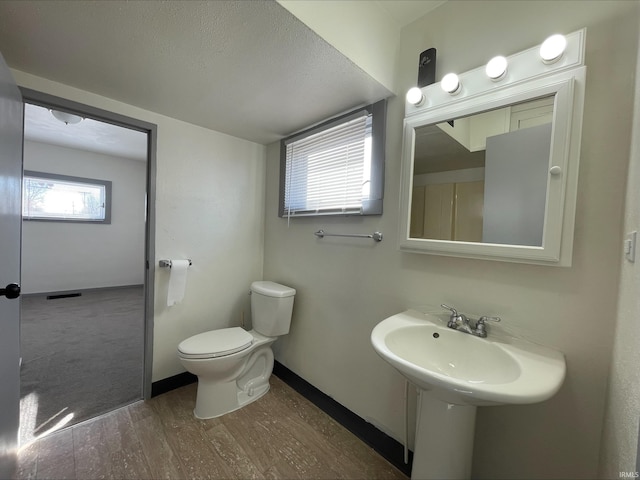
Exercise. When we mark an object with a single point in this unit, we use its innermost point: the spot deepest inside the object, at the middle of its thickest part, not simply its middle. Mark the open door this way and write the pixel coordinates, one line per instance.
(11, 123)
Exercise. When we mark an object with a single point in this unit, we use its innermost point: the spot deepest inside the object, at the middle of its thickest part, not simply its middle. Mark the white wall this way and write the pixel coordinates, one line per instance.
(346, 286)
(59, 256)
(620, 435)
(360, 30)
(209, 207)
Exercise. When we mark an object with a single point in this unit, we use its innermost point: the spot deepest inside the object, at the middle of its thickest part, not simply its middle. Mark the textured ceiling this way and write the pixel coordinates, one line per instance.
(246, 68)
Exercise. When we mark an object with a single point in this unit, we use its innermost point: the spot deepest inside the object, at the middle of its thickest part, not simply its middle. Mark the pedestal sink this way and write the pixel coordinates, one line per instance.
(455, 373)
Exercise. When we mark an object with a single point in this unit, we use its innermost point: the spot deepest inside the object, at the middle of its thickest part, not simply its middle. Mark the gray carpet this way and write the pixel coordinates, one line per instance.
(82, 355)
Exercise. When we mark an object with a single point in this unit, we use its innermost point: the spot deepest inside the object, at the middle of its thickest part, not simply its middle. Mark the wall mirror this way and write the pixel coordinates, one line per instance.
(491, 171)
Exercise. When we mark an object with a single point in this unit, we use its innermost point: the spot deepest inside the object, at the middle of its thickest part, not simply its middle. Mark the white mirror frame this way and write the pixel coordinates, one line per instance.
(527, 78)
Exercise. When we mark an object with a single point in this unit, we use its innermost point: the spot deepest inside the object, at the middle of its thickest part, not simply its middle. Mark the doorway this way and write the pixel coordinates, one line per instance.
(87, 306)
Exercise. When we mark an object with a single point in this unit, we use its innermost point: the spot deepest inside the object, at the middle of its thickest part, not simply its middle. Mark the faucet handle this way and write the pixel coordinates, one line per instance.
(456, 319)
(454, 312)
(480, 329)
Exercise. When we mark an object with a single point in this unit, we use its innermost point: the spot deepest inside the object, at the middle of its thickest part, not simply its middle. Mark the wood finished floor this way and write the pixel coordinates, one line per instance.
(280, 436)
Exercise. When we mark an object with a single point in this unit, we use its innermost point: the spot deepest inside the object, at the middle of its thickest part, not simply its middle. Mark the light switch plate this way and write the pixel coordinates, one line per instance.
(630, 246)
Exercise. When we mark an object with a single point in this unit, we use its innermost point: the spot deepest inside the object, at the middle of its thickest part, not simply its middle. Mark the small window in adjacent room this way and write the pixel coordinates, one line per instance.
(336, 168)
(51, 197)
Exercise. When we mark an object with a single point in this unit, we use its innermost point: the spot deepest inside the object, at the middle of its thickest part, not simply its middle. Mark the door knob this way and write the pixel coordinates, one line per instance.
(10, 291)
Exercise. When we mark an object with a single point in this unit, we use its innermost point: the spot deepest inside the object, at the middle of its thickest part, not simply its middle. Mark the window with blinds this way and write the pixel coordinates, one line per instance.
(336, 168)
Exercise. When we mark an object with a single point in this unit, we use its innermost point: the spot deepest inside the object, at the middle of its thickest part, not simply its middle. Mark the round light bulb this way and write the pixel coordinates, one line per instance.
(552, 48)
(415, 96)
(450, 83)
(496, 68)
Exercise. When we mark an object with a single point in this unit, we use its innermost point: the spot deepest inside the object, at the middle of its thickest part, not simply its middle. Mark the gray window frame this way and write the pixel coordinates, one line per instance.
(373, 206)
(107, 184)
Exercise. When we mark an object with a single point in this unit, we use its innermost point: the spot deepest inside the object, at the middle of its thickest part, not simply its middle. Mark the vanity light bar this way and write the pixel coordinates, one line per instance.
(557, 53)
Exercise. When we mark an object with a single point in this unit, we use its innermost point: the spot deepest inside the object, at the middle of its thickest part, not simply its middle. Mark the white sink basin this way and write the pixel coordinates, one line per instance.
(462, 369)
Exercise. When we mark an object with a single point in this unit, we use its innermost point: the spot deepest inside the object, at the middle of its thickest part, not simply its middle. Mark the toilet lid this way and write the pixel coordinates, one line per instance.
(215, 343)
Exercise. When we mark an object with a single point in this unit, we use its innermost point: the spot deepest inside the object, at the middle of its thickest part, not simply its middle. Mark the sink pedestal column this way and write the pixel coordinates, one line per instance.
(444, 439)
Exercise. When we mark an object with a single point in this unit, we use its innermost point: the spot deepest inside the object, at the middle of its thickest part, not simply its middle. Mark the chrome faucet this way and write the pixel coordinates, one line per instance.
(459, 321)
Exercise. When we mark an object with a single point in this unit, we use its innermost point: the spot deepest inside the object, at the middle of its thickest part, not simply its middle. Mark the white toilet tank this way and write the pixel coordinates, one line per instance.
(271, 307)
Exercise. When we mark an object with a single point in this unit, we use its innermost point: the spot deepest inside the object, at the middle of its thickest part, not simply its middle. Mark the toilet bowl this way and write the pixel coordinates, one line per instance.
(233, 365)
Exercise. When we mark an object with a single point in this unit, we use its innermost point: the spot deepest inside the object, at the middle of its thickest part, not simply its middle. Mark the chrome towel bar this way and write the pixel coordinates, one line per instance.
(377, 236)
(167, 263)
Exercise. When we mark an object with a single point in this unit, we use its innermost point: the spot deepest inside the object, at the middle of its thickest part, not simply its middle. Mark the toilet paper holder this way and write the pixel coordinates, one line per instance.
(167, 263)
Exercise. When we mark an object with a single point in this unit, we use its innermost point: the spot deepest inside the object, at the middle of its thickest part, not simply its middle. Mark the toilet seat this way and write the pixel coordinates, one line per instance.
(215, 343)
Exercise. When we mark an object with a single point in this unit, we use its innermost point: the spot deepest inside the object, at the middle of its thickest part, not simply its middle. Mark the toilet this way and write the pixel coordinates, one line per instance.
(233, 365)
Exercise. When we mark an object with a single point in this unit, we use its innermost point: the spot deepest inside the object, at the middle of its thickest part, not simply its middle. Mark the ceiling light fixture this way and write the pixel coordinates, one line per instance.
(552, 48)
(415, 96)
(496, 68)
(66, 118)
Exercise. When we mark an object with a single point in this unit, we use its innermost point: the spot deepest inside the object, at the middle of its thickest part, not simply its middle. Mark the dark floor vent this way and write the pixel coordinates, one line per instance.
(63, 295)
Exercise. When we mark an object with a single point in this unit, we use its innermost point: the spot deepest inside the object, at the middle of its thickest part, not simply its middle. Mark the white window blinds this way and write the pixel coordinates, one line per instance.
(329, 171)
